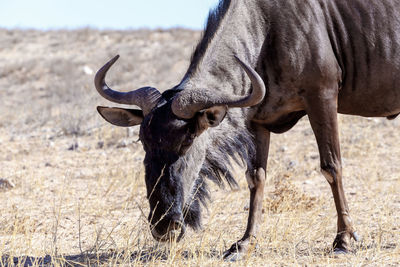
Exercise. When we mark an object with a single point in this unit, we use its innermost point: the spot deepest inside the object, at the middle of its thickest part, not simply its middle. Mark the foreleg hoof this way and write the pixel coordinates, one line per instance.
(238, 250)
(235, 252)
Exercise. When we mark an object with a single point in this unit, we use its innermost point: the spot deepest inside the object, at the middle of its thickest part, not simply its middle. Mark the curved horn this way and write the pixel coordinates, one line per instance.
(146, 97)
(188, 102)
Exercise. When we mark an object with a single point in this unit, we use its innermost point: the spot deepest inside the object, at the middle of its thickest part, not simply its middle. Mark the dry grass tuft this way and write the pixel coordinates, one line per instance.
(287, 197)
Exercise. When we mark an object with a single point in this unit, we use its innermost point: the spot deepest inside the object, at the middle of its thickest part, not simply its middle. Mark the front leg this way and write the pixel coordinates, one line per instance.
(322, 113)
(256, 181)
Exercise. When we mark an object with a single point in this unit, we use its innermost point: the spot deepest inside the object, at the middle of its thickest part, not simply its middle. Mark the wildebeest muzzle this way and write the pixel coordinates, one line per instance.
(174, 231)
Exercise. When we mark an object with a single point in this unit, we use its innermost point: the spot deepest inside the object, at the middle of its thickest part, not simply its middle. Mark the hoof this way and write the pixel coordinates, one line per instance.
(230, 256)
(240, 249)
(340, 251)
(236, 251)
(341, 244)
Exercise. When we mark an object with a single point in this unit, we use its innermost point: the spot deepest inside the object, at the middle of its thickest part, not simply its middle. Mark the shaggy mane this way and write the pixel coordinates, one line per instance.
(235, 144)
(214, 20)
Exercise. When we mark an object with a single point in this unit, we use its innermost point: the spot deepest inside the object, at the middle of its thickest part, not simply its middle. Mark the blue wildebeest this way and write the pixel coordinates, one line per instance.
(297, 57)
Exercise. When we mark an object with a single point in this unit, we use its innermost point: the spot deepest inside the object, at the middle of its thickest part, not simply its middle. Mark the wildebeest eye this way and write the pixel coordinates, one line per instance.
(187, 142)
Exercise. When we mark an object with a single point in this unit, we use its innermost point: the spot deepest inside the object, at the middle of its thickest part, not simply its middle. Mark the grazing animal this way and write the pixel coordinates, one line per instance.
(260, 66)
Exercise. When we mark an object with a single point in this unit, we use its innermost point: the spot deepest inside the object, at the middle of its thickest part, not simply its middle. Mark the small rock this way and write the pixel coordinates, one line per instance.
(74, 146)
(282, 149)
(308, 132)
(87, 70)
(6, 184)
(100, 145)
(292, 164)
(124, 143)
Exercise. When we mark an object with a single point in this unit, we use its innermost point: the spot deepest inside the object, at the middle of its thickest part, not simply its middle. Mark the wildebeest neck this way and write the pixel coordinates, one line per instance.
(213, 65)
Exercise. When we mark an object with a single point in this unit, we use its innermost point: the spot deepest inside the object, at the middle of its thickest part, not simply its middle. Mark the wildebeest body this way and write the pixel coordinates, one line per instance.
(305, 57)
(355, 44)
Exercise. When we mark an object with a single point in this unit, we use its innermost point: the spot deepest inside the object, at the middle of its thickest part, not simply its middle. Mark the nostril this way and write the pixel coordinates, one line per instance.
(175, 225)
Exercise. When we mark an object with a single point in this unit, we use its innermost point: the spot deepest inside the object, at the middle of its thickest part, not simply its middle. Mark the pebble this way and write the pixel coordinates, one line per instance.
(292, 164)
(124, 143)
(74, 147)
(87, 70)
(100, 145)
(6, 184)
(282, 149)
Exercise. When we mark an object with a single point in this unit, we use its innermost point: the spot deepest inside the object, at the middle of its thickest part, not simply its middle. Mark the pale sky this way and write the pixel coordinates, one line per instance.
(102, 14)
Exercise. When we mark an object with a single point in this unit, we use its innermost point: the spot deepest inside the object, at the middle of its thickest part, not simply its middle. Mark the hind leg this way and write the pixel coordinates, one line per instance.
(322, 113)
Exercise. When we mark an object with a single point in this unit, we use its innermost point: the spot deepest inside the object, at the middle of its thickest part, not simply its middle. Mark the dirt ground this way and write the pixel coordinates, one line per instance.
(72, 186)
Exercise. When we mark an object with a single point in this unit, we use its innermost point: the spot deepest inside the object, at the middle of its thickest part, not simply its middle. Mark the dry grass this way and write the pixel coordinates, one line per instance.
(79, 195)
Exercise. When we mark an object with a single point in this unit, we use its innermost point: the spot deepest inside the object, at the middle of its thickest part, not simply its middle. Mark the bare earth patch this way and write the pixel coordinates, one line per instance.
(72, 187)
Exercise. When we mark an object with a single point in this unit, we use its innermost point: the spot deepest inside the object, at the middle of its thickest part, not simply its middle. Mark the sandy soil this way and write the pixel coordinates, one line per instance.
(72, 188)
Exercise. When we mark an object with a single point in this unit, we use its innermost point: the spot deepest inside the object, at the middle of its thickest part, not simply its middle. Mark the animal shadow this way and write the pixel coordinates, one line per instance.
(97, 259)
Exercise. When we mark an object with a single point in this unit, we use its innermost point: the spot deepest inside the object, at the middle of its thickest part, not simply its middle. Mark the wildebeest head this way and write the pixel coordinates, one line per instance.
(172, 127)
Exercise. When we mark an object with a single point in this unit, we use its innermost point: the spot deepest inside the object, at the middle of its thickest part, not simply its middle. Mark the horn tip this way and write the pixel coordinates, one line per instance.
(99, 108)
(112, 61)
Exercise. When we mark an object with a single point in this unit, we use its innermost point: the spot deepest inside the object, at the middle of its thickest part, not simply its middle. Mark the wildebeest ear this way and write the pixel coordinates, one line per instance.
(121, 116)
(210, 117)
